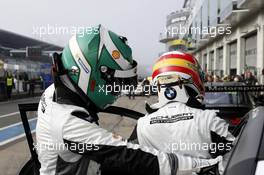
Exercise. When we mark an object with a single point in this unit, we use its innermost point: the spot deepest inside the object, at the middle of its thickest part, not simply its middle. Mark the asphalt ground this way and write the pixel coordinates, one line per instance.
(9, 113)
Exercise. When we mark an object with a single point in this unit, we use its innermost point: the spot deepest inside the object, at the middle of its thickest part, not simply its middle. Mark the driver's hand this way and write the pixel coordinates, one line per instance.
(190, 164)
(215, 169)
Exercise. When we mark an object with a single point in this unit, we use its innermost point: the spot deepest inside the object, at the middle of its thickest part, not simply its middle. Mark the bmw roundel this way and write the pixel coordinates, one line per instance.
(170, 93)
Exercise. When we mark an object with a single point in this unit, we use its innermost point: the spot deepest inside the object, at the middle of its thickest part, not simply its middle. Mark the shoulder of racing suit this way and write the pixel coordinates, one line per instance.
(192, 102)
(53, 155)
(214, 128)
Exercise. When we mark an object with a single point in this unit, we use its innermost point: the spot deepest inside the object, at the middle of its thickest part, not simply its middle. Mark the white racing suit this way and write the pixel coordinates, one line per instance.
(178, 128)
(67, 140)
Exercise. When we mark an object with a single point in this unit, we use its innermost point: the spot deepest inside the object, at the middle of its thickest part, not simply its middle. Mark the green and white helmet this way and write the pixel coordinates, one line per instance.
(95, 63)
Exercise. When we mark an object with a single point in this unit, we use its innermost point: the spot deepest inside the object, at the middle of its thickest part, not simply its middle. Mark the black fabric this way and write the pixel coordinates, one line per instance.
(84, 116)
(173, 159)
(79, 167)
(222, 146)
(9, 91)
(149, 109)
(133, 137)
(63, 95)
(210, 170)
(194, 103)
(118, 160)
(191, 92)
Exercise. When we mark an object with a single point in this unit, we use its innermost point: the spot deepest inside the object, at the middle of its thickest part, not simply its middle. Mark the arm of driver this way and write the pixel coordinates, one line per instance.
(220, 136)
(220, 127)
(106, 147)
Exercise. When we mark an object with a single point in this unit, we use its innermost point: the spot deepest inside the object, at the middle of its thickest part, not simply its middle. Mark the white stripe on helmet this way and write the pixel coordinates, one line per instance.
(85, 68)
(105, 40)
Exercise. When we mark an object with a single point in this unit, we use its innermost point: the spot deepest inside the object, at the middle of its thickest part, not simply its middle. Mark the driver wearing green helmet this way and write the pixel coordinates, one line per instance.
(68, 135)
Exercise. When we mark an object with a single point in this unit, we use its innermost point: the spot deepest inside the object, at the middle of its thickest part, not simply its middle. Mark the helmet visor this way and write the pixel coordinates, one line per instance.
(123, 80)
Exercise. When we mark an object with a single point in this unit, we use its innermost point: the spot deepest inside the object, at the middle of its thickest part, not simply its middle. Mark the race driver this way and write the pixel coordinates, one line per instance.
(67, 133)
(178, 123)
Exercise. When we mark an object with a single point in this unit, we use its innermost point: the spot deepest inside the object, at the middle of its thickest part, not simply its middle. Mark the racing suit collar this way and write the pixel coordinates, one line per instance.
(65, 96)
(192, 102)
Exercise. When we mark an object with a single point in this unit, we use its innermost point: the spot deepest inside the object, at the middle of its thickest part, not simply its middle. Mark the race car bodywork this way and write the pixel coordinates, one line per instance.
(233, 100)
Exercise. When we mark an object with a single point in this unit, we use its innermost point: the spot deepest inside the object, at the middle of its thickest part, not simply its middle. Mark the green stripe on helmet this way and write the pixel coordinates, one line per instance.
(88, 44)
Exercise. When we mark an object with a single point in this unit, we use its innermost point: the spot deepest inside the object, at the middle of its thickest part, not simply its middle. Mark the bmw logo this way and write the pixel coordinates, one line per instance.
(170, 93)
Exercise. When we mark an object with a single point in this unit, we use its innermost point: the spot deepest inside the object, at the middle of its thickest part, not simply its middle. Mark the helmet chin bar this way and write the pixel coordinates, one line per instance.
(127, 73)
(119, 79)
